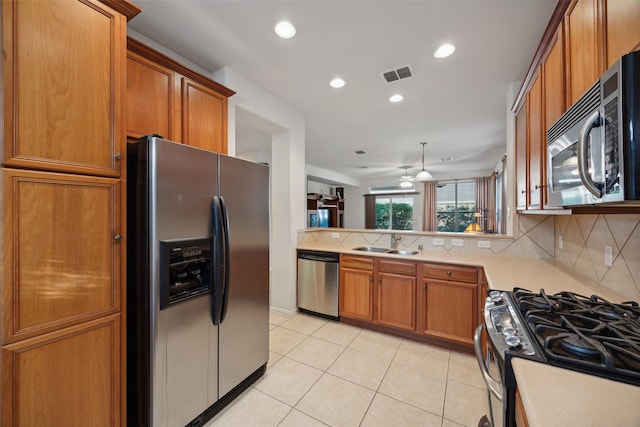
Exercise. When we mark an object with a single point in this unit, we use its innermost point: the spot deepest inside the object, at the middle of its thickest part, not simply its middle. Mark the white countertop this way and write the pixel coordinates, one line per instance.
(556, 397)
(503, 272)
(551, 396)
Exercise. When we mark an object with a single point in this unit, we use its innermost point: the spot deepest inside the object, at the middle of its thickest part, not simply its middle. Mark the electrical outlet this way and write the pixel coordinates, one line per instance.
(438, 242)
(608, 256)
(335, 235)
(560, 242)
(457, 242)
(484, 244)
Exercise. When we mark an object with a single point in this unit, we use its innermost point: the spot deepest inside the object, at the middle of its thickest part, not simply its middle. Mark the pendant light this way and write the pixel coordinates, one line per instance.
(423, 175)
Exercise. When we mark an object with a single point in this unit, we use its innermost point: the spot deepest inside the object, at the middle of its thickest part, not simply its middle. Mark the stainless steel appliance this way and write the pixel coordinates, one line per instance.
(197, 281)
(318, 278)
(568, 330)
(593, 150)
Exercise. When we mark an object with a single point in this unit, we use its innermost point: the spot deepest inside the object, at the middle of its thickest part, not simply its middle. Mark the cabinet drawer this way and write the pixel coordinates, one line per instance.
(397, 267)
(357, 262)
(459, 273)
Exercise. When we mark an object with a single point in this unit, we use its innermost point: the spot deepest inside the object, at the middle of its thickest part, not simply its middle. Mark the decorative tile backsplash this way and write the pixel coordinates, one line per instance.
(583, 237)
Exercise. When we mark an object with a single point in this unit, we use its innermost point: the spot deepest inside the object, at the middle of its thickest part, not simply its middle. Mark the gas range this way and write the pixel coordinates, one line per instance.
(586, 334)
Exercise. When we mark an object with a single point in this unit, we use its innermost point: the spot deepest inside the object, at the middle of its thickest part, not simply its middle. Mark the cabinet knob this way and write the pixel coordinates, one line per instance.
(523, 191)
(118, 156)
(117, 237)
(379, 281)
(424, 287)
(449, 273)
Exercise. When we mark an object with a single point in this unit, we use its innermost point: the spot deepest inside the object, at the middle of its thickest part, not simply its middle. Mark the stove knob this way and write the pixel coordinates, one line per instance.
(513, 341)
(508, 331)
(496, 297)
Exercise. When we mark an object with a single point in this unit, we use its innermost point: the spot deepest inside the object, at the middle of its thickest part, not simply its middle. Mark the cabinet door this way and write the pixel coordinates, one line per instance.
(64, 85)
(521, 158)
(553, 99)
(356, 297)
(534, 144)
(204, 117)
(62, 263)
(623, 31)
(450, 310)
(583, 50)
(67, 378)
(151, 102)
(396, 301)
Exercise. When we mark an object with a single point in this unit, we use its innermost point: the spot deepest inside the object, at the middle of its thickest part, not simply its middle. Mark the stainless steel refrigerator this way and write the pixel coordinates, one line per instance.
(197, 281)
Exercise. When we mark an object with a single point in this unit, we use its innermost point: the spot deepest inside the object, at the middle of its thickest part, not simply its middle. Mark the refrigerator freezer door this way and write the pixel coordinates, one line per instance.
(182, 183)
(244, 332)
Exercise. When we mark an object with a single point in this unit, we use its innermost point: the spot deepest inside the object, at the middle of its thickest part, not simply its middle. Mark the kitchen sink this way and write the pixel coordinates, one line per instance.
(370, 249)
(385, 250)
(401, 252)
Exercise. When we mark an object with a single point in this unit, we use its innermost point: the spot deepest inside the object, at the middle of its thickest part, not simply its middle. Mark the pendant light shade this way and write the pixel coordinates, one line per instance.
(423, 175)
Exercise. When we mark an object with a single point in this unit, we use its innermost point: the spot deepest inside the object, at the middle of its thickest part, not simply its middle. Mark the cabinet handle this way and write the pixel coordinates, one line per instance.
(117, 237)
(118, 156)
(539, 186)
(523, 191)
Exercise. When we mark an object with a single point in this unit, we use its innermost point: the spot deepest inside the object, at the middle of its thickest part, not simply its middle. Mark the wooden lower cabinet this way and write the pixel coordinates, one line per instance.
(395, 303)
(356, 287)
(62, 357)
(449, 310)
(430, 302)
(448, 302)
(66, 378)
(521, 417)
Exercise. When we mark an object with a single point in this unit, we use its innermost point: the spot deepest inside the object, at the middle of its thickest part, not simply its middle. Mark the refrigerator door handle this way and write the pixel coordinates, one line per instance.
(217, 269)
(227, 258)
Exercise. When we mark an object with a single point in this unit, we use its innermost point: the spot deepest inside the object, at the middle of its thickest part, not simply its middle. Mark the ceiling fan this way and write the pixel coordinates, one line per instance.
(406, 180)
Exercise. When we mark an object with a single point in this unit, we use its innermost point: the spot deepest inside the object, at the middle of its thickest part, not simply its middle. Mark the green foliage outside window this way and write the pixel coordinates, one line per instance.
(452, 220)
(400, 214)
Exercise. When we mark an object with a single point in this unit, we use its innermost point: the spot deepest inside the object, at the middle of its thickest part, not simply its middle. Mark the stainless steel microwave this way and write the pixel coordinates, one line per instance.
(593, 150)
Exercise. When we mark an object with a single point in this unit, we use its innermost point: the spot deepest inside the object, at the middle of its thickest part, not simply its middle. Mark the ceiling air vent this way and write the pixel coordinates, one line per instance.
(397, 74)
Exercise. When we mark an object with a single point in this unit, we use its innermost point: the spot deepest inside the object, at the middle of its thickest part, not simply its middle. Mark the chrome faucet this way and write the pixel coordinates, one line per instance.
(395, 239)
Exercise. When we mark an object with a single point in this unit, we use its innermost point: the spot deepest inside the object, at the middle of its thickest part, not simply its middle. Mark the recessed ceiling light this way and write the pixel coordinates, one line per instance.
(444, 50)
(337, 82)
(396, 98)
(285, 29)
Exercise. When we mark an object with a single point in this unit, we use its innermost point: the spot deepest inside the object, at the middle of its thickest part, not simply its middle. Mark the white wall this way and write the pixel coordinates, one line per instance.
(288, 183)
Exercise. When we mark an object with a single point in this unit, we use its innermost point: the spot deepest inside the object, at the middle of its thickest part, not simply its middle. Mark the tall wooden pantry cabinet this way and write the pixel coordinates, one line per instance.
(62, 319)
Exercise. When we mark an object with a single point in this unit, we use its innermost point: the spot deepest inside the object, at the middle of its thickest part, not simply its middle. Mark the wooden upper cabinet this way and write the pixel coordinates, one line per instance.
(204, 117)
(584, 50)
(151, 102)
(63, 85)
(534, 144)
(553, 99)
(60, 235)
(623, 30)
(168, 99)
(521, 158)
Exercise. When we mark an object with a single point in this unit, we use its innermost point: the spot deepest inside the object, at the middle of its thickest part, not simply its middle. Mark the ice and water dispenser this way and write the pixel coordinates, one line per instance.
(185, 270)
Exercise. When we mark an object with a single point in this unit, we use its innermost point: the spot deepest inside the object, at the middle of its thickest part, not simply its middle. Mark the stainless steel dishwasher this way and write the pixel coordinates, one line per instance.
(318, 278)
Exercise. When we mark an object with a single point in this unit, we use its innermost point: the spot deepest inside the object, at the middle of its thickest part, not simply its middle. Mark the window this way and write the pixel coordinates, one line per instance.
(390, 211)
(455, 205)
(394, 213)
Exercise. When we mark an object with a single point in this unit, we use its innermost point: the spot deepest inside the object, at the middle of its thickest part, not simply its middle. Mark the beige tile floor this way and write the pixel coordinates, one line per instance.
(324, 373)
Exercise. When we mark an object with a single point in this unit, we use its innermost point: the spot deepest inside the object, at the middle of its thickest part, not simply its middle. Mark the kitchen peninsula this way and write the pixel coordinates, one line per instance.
(506, 269)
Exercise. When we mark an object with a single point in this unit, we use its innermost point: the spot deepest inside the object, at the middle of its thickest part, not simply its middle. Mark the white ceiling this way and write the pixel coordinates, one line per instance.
(457, 105)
